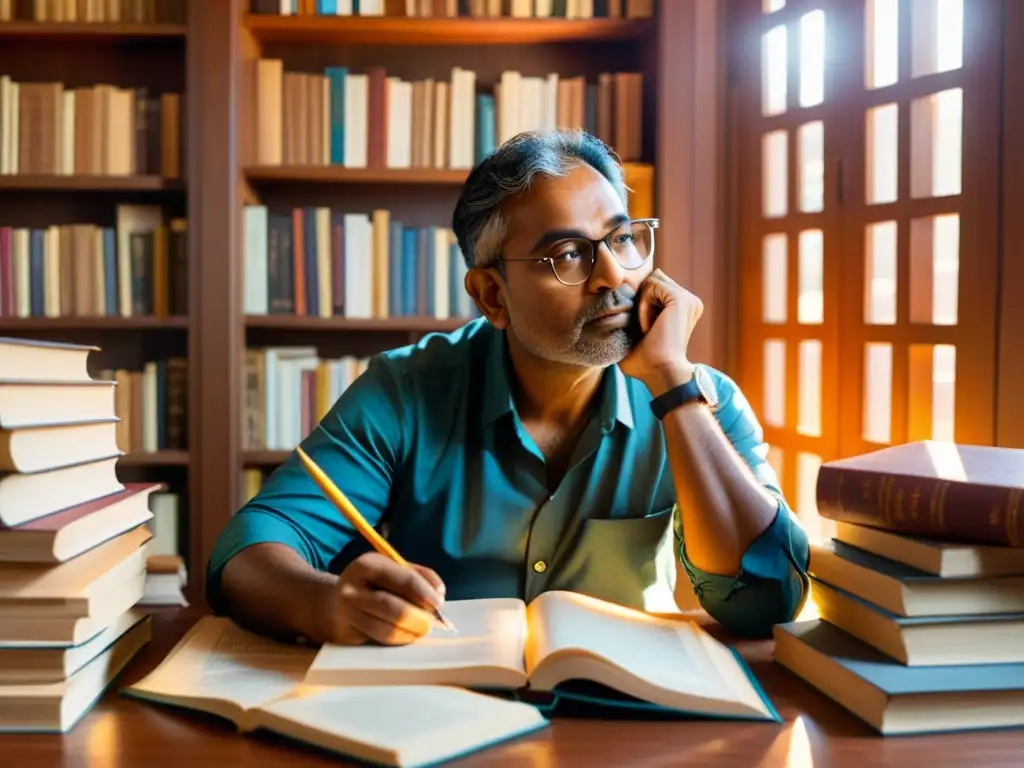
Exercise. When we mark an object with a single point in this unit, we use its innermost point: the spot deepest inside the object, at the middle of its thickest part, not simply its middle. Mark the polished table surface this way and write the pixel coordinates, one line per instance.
(125, 733)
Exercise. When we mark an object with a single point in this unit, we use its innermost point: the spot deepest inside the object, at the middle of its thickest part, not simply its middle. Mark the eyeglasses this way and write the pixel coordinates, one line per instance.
(572, 260)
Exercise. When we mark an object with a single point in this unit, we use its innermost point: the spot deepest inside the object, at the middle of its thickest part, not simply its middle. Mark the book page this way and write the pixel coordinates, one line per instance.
(651, 658)
(423, 724)
(488, 650)
(220, 662)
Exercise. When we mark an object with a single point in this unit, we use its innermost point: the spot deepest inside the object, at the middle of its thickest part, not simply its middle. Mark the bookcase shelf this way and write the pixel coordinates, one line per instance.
(17, 181)
(88, 323)
(396, 31)
(97, 211)
(336, 174)
(97, 31)
(263, 459)
(335, 324)
(155, 459)
(232, 54)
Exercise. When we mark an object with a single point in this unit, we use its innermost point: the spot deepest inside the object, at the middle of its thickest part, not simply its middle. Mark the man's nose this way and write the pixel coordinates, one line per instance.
(607, 274)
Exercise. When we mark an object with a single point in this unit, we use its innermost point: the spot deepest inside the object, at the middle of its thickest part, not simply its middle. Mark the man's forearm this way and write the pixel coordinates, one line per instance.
(272, 590)
(724, 508)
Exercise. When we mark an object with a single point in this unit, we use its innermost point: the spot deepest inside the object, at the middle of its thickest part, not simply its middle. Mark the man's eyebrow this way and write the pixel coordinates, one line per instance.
(554, 235)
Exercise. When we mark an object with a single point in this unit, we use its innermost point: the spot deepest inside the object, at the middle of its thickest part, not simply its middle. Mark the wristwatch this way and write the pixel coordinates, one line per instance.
(700, 388)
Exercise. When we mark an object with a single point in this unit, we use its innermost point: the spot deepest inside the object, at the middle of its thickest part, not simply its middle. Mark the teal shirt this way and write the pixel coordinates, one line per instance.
(427, 444)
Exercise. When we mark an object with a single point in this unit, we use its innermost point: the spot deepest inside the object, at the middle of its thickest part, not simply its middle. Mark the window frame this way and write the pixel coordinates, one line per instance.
(985, 353)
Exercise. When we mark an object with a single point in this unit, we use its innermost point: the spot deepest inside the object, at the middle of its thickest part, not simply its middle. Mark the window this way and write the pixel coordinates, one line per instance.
(867, 261)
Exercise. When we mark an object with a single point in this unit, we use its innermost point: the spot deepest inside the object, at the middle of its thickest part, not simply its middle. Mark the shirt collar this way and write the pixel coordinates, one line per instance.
(616, 405)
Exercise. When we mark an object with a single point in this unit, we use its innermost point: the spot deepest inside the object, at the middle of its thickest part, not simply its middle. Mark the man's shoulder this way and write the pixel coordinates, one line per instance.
(438, 353)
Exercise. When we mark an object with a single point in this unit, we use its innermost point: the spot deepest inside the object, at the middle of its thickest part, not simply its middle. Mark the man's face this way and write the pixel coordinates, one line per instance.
(560, 322)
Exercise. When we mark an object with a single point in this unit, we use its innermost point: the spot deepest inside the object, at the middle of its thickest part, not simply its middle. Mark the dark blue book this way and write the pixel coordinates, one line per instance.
(896, 699)
(396, 305)
(336, 78)
(410, 271)
(37, 272)
(110, 277)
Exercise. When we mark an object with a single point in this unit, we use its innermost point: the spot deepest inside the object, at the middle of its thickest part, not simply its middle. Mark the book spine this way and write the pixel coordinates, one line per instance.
(979, 514)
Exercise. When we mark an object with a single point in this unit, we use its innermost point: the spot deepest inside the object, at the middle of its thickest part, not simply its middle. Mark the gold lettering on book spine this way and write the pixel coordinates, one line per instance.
(914, 502)
(1013, 517)
(884, 494)
(937, 507)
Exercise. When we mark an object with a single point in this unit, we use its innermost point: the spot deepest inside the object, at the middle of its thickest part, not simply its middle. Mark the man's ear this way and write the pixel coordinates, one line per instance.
(487, 289)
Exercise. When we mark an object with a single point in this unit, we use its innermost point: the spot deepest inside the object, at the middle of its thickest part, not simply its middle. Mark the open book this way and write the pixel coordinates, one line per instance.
(256, 683)
(559, 640)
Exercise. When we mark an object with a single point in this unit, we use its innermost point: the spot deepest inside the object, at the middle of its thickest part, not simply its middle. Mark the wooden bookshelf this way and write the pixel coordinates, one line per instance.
(83, 183)
(223, 176)
(87, 323)
(333, 174)
(263, 459)
(399, 31)
(155, 459)
(335, 324)
(84, 193)
(93, 31)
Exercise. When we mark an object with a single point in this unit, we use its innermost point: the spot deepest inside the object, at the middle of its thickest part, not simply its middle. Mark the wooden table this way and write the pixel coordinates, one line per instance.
(124, 733)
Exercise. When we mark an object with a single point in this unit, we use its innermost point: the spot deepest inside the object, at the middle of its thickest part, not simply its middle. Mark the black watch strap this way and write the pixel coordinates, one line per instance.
(699, 388)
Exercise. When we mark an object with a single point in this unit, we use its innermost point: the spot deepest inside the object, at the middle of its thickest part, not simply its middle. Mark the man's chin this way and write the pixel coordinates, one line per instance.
(604, 348)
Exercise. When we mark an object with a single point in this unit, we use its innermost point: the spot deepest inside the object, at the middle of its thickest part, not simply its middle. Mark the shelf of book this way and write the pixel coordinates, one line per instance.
(339, 174)
(93, 31)
(83, 183)
(155, 459)
(263, 459)
(89, 323)
(368, 325)
(95, 240)
(399, 31)
(271, 84)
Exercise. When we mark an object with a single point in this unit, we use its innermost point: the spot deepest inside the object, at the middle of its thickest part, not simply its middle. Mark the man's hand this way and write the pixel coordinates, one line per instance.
(667, 313)
(377, 600)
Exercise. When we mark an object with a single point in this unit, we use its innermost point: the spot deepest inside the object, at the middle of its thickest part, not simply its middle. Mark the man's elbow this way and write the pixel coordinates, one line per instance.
(751, 610)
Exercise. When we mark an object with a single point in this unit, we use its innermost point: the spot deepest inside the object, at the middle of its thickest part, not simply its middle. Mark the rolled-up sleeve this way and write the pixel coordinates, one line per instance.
(359, 444)
(772, 585)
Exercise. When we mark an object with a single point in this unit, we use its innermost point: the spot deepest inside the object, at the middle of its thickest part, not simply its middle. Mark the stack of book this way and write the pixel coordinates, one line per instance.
(920, 592)
(72, 539)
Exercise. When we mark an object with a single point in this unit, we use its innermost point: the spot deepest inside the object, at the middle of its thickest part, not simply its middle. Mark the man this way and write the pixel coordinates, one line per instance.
(548, 445)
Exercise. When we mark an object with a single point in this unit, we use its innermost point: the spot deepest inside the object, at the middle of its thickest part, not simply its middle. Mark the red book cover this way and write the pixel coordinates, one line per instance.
(967, 493)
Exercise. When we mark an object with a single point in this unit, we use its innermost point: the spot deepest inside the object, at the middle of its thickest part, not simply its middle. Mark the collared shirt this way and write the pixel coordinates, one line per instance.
(428, 446)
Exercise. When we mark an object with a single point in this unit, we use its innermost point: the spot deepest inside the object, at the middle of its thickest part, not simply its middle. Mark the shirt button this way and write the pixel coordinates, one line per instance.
(551, 497)
(540, 566)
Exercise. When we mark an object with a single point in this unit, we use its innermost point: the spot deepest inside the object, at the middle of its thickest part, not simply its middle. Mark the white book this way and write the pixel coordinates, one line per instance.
(561, 638)
(358, 273)
(399, 129)
(356, 95)
(508, 109)
(442, 298)
(256, 683)
(256, 297)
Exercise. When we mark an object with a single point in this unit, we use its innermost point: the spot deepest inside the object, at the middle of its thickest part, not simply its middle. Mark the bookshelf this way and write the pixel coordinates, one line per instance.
(92, 141)
(207, 56)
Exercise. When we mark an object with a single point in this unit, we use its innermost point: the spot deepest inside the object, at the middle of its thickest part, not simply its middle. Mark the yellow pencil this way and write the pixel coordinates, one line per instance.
(334, 494)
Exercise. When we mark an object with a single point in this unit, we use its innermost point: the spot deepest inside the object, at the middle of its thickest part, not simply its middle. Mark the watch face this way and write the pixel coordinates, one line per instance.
(706, 386)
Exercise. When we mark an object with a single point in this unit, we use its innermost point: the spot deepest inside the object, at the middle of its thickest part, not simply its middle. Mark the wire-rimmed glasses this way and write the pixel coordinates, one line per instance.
(572, 260)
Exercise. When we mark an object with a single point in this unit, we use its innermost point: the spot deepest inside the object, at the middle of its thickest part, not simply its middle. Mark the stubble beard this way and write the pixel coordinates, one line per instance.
(590, 349)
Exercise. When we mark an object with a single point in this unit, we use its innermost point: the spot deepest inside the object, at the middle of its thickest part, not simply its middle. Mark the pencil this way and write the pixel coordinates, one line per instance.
(378, 542)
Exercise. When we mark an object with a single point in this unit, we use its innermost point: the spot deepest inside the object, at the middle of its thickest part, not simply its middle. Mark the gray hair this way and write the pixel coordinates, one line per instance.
(508, 171)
